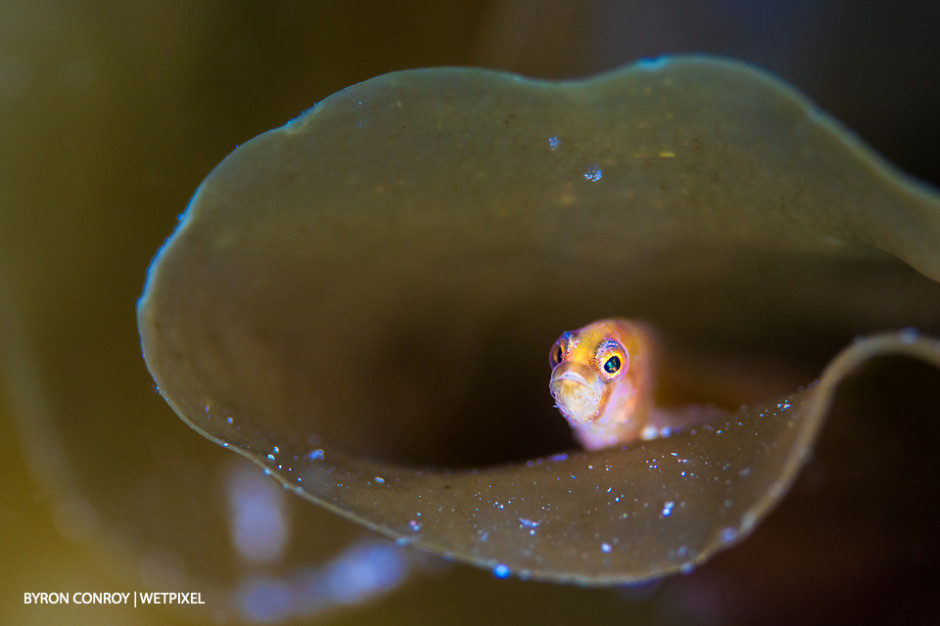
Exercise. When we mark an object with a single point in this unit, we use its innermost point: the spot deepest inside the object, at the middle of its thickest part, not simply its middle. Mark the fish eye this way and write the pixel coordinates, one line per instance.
(557, 353)
(611, 358)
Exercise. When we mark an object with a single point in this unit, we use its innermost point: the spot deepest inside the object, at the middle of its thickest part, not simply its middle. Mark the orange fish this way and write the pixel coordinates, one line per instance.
(602, 382)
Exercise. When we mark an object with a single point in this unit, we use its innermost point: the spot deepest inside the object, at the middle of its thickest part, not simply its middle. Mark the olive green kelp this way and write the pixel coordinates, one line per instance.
(362, 302)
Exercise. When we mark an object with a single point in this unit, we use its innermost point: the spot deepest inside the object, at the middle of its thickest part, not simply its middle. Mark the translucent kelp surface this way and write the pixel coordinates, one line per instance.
(361, 302)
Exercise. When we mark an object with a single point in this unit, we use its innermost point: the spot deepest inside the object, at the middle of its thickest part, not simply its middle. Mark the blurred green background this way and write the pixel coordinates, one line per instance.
(111, 113)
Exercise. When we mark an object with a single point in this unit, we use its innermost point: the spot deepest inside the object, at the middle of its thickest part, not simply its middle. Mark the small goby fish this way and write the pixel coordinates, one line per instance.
(602, 382)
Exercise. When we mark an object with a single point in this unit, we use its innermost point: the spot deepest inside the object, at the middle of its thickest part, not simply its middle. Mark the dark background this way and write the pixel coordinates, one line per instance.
(111, 113)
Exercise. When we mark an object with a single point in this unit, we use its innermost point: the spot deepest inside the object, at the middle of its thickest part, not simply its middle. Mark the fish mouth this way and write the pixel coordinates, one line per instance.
(578, 397)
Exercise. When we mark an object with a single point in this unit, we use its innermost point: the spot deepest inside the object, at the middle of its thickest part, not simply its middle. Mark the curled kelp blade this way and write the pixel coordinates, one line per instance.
(605, 517)
(369, 291)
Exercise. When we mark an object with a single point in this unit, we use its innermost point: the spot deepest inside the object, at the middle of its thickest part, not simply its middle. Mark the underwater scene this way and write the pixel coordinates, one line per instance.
(503, 312)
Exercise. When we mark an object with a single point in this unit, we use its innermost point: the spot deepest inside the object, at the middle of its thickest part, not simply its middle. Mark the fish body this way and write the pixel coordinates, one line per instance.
(602, 382)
